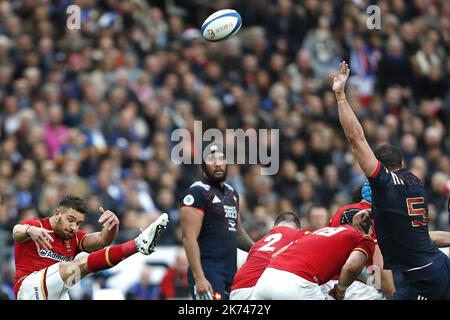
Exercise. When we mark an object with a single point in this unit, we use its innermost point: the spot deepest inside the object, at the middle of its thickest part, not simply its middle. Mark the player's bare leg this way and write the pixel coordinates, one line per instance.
(74, 271)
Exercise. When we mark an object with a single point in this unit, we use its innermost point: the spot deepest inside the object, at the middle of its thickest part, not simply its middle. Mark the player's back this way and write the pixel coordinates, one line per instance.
(319, 256)
(400, 211)
(261, 253)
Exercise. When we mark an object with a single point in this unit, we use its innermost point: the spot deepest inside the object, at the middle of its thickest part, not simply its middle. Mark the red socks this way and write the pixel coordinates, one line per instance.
(109, 257)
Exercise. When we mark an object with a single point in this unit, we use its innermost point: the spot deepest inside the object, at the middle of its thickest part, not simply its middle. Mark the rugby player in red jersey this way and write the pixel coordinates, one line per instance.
(314, 259)
(358, 290)
(45, 249)
(286, 229)
(345, 213)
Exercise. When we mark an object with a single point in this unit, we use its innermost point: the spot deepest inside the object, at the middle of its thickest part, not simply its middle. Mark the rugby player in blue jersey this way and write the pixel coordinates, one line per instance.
(211, 229)
(399, 209)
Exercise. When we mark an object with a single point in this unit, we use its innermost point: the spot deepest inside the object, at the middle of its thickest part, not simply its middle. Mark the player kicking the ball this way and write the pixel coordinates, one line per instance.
(45, 249)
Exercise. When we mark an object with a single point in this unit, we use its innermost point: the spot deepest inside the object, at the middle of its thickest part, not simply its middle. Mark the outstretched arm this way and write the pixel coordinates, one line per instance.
(352, 128)
(98, 240)
(349, 273)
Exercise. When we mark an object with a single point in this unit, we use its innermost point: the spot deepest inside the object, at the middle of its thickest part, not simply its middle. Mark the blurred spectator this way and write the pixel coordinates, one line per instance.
(323, 48)
(174, 282)
(144, 289)
(317, 218)
(394, 66)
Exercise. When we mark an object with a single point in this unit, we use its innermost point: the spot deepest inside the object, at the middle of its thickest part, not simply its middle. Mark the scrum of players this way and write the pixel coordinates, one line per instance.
(339, 261)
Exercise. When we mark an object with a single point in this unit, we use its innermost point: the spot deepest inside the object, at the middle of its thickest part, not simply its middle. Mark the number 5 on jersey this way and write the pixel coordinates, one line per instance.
(413, 210)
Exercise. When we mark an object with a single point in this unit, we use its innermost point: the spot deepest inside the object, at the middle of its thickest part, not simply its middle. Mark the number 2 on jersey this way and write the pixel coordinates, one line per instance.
(271, 239)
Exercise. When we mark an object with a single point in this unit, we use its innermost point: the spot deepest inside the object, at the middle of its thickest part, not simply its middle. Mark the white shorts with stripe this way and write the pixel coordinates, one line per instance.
(277, 284)
(45, 284)
(242, 294)
(356, 291)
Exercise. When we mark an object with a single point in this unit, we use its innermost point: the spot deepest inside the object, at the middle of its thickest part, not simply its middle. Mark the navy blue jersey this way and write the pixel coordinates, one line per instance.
(400, 211)
(217, 238)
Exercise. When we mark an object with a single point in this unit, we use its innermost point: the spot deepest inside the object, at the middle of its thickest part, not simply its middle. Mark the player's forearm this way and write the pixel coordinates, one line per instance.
(20, 232)
(193, 255)
(352, 128)
(349, 273)
(440, 238)
(244, 242)
(108, 236)
(355, 135)
(387, 283)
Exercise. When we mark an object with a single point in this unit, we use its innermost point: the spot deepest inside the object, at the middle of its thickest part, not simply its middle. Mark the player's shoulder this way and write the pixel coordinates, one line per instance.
(231, 189)
(198, 189)
(200, 185)
(34, 221)
(364, 236)
(196, 194)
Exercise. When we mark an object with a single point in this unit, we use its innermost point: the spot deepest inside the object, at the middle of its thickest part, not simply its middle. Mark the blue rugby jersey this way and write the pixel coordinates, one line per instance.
(217, 238)
(400, 212)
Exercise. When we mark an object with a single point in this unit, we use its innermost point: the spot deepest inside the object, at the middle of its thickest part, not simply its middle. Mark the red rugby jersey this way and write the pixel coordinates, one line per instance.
(321, 255)
(260, 254)
(28, 259)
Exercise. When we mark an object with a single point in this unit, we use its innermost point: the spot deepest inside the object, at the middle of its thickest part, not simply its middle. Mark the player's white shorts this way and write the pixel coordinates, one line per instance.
(45, 284)
(242, 294)
(356, 291)
(277, 284)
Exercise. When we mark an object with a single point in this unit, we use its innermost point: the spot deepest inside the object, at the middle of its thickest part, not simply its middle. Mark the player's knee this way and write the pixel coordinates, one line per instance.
(74, 271)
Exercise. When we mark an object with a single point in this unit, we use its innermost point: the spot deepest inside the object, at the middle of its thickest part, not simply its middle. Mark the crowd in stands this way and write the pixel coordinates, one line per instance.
(90, 111)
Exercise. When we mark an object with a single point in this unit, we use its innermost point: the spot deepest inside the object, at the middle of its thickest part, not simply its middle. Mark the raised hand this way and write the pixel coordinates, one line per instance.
(359, 219)
(108, 219)
(340, 80)
(41, 237)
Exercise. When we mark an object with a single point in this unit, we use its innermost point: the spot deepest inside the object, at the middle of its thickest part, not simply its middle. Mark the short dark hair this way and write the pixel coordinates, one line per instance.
(74, 202)
(288, 217)
(390, 156)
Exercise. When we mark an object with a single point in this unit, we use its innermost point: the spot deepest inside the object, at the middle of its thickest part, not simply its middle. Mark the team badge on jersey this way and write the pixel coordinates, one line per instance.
(68, 247)
(231, 214)
(188, 200)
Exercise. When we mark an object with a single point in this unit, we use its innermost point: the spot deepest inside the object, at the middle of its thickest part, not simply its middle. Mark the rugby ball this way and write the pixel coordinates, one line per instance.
(221, 25)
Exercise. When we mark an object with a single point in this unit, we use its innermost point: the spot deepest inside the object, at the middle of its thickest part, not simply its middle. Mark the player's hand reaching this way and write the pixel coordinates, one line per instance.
(340, 80)
(338, 292)
(41, 237)
(360, 218)
(108, 219)
(203, 289)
